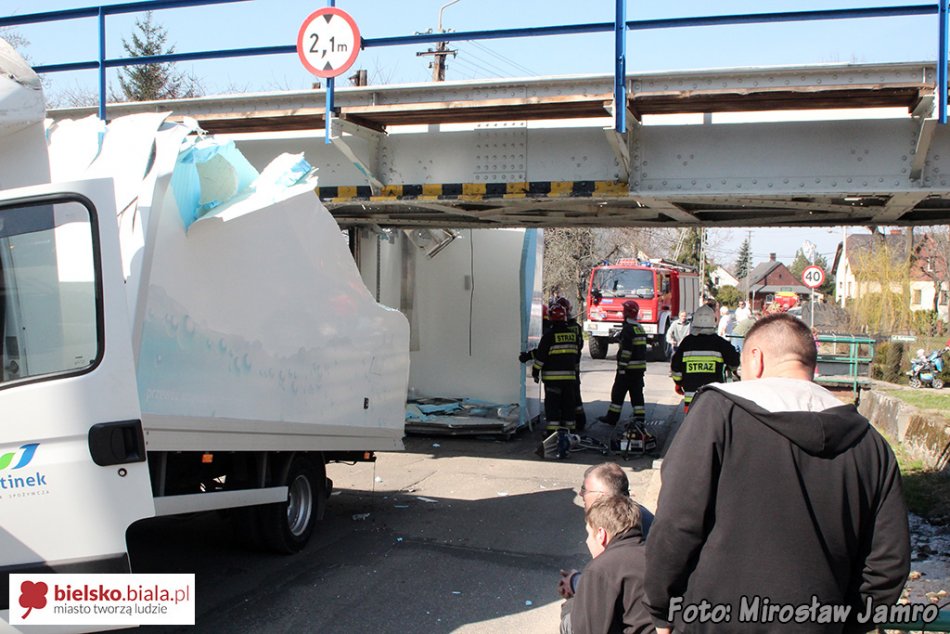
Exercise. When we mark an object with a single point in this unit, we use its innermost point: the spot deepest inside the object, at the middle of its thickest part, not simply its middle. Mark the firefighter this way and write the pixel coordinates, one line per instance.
(555, 364)
(631, 366)
(702, 357)
(580, 417)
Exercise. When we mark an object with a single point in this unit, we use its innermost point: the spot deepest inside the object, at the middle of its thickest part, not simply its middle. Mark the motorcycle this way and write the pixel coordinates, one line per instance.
(926, 372)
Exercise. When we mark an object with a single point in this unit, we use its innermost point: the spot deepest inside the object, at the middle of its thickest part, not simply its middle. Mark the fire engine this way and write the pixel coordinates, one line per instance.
(661, 288)
(781, 302)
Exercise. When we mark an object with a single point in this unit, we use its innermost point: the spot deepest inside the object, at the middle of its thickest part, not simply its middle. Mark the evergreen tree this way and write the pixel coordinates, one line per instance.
(690, 252)
(150, 82)
(801, 262)
(743, 264)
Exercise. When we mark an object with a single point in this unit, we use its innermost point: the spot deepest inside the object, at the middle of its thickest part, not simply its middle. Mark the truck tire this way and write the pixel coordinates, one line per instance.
(597, 347)
(286, 527)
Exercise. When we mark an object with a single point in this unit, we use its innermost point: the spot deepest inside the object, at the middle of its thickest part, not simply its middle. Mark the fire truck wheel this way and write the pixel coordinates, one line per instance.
(597, 347)
(287, 526)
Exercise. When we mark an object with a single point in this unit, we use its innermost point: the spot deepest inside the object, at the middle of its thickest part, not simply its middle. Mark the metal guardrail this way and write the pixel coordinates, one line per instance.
(851, 353)
(619, 26)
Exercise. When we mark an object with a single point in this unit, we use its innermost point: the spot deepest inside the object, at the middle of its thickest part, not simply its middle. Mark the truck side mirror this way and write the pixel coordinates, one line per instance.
(597, 295)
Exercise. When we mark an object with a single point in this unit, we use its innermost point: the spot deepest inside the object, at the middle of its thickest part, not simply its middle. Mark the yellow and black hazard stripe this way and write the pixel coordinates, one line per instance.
(474, 191)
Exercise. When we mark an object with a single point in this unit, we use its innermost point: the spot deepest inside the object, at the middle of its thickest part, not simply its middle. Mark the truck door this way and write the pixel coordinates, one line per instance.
(73, 474)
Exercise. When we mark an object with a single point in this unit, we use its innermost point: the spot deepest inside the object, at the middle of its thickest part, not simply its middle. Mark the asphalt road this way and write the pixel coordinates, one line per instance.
(452, 535)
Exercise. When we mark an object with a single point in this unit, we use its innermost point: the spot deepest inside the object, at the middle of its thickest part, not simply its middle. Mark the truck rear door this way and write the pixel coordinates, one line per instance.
(73, 474)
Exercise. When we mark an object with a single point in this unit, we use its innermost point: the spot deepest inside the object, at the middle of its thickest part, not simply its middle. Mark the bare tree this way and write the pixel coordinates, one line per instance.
(75, 96)
(15, 39)
(570, 254)
(931, 252)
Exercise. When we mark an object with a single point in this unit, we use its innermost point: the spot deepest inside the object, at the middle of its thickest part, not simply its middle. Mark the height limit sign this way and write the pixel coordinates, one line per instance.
(328, 42)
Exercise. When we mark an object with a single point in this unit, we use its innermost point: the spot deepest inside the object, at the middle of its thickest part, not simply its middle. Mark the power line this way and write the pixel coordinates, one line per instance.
(476, 69)
(501, 57)
(496, 70)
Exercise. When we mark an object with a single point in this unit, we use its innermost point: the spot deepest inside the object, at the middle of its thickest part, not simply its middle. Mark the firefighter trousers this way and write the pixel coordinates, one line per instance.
(629, 382)
(559, 404)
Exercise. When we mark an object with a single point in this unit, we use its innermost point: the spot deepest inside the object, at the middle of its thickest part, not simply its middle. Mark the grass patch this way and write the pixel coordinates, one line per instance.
(926, 492)
(924, 399)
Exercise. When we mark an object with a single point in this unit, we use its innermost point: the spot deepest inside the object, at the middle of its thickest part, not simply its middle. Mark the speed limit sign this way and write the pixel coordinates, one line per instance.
(813, 276)
(328, 42)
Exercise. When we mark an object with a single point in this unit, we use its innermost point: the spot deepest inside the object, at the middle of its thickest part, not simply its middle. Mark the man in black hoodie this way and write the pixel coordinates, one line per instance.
(609, 596)
(777, 499)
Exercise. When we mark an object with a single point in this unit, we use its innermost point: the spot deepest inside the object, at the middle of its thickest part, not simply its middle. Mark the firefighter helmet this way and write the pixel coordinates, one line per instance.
(557, 313)
(704, 321)
(566, 303)
(631, 309)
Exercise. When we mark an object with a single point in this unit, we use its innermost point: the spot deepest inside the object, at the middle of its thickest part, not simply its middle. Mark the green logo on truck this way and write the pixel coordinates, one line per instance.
(25, 457)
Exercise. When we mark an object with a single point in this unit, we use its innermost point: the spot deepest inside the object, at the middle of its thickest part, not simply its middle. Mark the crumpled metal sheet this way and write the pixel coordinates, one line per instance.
(460, 417)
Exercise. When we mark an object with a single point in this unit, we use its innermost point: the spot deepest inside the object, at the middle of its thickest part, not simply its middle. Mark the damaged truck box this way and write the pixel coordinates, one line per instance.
(180, 333)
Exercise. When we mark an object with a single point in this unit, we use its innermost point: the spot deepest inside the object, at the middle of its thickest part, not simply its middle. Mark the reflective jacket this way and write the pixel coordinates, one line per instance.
(558, 354)
(632, 355)
(700, 360)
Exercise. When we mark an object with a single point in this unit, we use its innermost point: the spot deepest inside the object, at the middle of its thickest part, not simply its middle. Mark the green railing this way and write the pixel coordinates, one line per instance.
(844, 360)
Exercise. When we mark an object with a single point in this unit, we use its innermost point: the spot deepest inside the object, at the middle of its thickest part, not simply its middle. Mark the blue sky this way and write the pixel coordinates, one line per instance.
(275, 22)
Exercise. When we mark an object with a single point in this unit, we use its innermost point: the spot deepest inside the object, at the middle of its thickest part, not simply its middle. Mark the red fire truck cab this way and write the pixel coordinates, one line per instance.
(660, 287)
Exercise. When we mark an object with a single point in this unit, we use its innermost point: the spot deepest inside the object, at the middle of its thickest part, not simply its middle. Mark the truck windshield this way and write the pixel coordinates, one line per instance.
(49, 312)
(624, 283)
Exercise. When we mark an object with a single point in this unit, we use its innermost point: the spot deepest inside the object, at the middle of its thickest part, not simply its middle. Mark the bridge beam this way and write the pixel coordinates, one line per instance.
(368, 167)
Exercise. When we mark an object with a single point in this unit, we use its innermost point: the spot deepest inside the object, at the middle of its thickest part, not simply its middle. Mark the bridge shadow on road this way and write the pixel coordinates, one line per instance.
(451, 535)
(415, 563)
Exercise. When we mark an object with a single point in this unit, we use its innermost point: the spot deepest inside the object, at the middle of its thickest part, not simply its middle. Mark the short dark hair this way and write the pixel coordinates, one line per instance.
(612, 476)
(613, 513)
(787, 334)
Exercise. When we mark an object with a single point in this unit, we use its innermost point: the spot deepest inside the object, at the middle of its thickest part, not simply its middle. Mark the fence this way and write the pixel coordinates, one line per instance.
(844, 360)
(620, 26)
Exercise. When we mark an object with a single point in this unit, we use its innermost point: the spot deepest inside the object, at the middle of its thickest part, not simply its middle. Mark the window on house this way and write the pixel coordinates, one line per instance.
(916, 297)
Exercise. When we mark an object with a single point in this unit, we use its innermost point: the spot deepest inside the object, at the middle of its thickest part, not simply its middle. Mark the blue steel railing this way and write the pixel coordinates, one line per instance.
(619, 26)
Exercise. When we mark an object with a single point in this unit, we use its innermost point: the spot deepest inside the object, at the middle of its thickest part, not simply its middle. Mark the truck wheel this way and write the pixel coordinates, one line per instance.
(597, 347)
(286, 527)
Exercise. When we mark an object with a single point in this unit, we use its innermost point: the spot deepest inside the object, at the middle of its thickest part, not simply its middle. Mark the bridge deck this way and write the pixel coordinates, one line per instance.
(541, 151)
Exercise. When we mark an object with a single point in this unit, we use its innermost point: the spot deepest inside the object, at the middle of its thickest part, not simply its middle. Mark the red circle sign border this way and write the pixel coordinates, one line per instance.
(357, 41)
(816, 268)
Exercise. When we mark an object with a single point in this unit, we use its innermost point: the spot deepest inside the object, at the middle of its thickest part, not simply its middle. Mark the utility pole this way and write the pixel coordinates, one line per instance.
(441, 50)
(438, 64)
(702, 261)
(748, 273)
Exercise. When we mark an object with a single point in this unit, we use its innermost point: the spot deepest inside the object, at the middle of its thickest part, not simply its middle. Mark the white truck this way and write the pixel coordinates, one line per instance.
(179, 334)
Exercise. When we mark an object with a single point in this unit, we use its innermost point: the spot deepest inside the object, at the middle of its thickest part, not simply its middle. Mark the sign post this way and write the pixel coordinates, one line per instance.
(327, 43)
(813, 276)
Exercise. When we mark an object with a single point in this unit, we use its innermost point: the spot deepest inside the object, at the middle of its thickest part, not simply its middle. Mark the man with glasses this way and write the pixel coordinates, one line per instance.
(603, 479)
